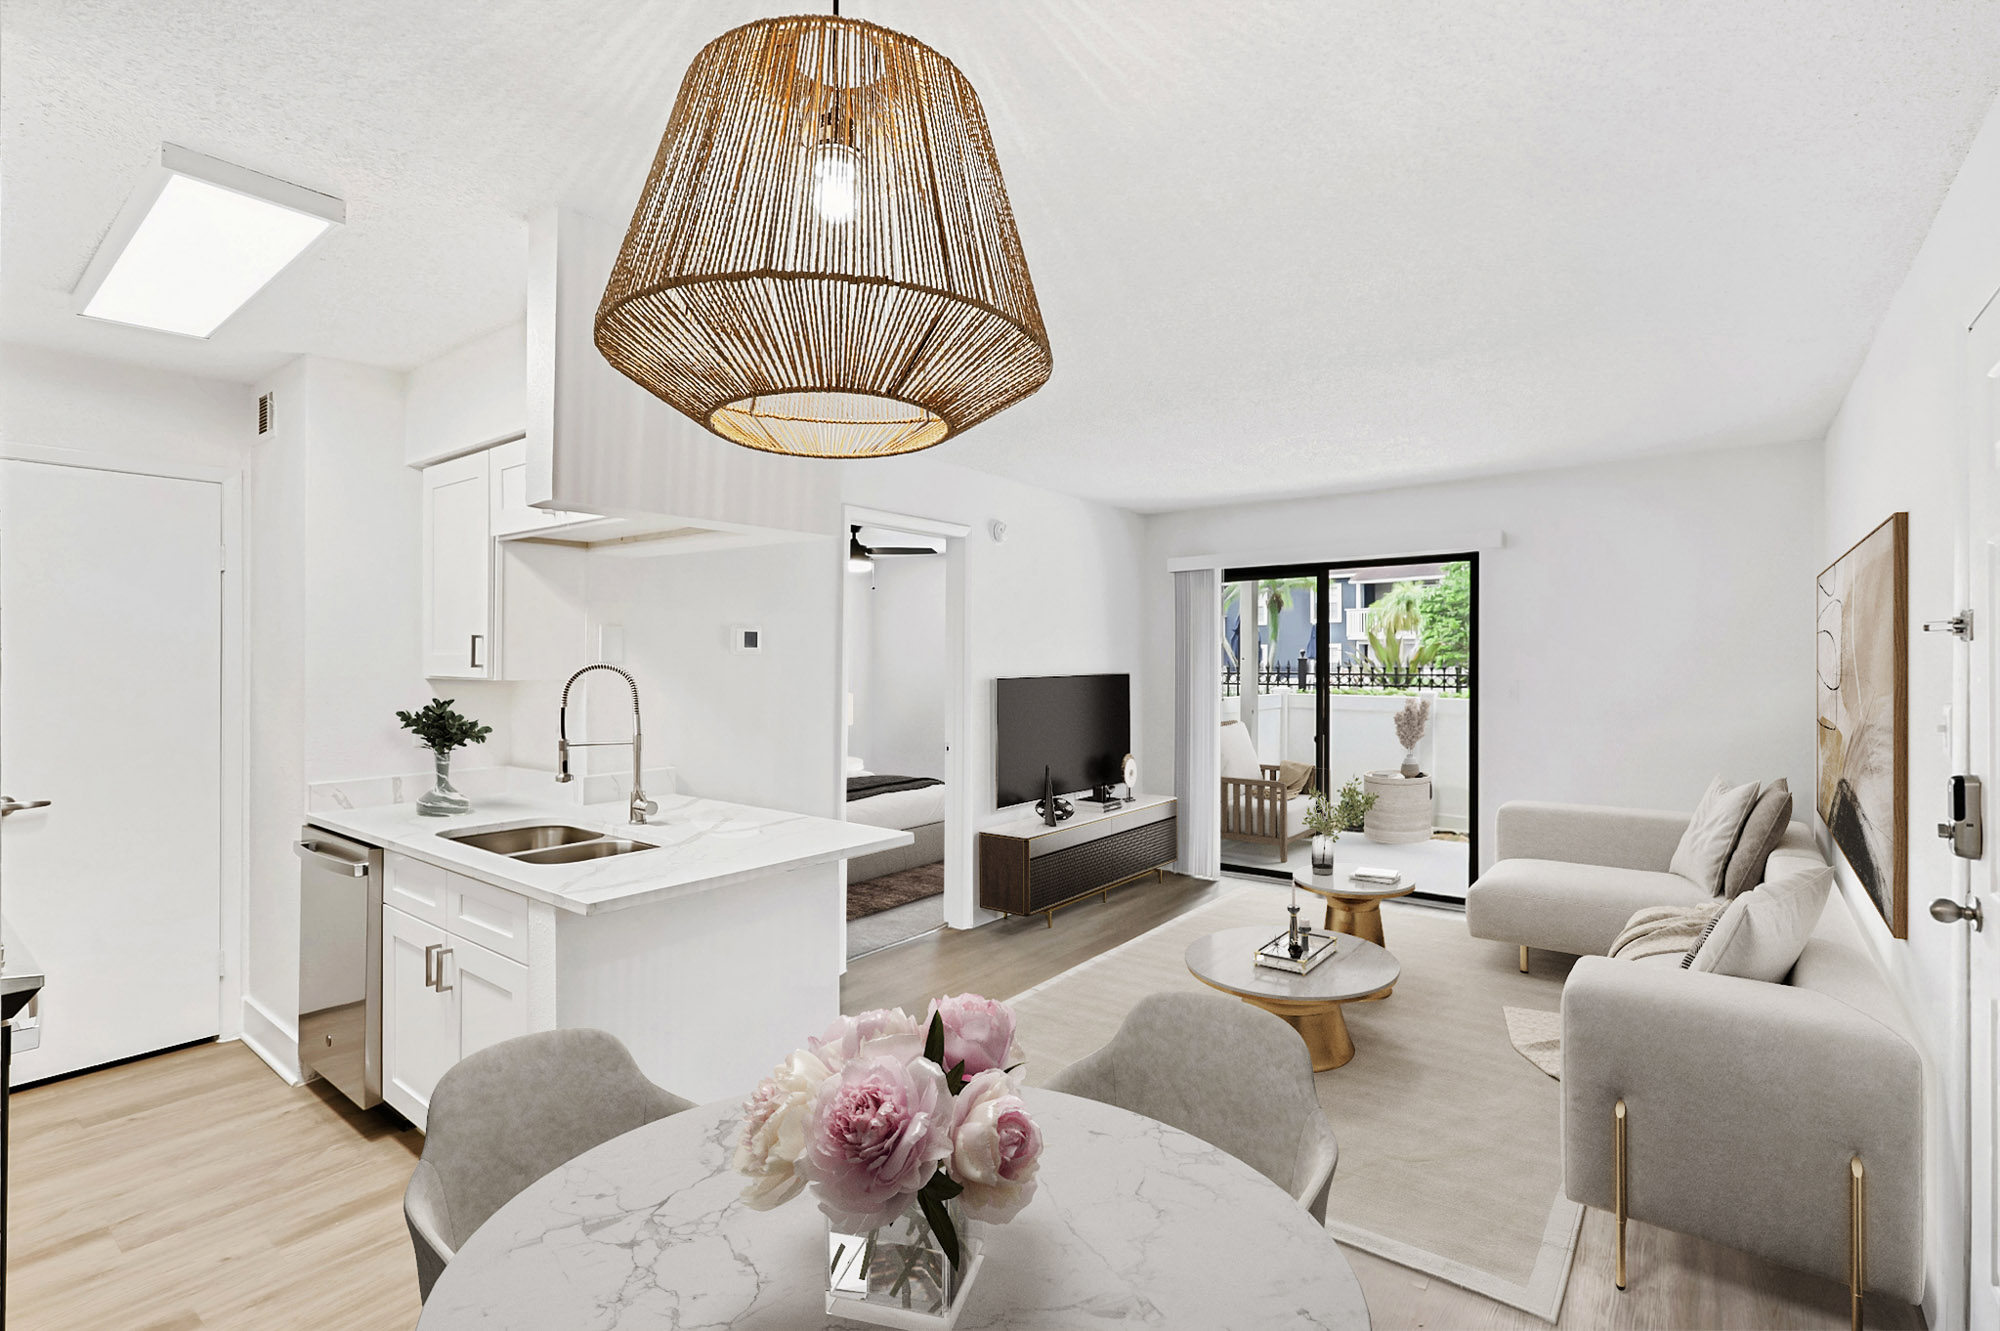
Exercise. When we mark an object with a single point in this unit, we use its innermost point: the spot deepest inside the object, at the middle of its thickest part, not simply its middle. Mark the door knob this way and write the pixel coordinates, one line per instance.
(1946, 911)
(8, 804)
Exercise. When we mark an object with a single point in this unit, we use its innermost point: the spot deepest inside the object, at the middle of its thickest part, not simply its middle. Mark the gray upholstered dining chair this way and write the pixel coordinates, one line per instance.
(507, 1115)
(1233, 1075)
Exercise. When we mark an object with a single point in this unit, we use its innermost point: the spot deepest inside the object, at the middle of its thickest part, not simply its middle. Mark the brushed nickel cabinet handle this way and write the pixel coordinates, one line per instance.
(477, 638)
(8, 804)
(430, 963)
(442, 987)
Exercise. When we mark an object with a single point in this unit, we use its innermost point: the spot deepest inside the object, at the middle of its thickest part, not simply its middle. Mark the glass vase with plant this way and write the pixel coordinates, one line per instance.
(1324, 824)
(1352, 810)
(440, 729)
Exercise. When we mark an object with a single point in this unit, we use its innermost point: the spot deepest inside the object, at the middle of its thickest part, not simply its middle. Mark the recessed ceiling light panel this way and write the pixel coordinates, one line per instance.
(196, 241)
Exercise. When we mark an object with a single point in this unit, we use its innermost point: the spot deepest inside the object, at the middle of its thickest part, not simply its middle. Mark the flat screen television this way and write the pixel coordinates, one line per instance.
(1079, 727)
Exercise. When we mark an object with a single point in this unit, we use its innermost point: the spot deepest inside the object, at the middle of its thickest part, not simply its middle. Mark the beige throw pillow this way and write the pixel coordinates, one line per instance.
(1769, 817)
(1759, 935)
(1711, 835)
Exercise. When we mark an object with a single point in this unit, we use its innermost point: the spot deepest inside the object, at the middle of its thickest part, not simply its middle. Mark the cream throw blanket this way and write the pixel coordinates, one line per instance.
(1660, 930)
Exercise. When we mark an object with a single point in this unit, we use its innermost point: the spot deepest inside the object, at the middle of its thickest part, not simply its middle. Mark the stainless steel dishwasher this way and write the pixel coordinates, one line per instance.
(340, 963)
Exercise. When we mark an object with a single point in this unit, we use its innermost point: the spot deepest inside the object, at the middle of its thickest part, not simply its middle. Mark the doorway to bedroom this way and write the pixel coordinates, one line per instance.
(1355, 682)
(897, 712)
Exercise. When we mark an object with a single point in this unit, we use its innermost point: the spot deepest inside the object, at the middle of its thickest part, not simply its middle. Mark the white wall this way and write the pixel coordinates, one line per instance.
(336, 531)
(1899, 444)
(856, 639)
(468, 398)
(1644, 626)
(898, 675)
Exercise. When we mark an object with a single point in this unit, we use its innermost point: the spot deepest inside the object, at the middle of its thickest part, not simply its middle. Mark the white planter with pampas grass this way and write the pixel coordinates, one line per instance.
(1412, 720)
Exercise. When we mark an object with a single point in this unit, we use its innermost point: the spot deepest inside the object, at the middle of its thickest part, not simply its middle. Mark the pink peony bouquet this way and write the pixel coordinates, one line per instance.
(880, 1110)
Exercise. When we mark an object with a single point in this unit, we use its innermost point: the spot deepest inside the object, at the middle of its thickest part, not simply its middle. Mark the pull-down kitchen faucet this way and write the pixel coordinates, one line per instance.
(641, 806)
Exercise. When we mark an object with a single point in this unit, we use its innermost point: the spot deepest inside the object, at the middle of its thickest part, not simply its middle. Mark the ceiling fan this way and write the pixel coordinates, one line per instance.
(861, 557)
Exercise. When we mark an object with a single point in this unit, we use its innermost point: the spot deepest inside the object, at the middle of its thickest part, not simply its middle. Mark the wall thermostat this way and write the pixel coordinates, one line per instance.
(745, 638)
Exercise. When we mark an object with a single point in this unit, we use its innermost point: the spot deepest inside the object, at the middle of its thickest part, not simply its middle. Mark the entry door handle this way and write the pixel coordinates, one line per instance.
(8, 804)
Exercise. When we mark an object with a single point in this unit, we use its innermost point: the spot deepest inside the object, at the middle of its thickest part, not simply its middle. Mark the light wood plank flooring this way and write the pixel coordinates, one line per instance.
(198, 1190)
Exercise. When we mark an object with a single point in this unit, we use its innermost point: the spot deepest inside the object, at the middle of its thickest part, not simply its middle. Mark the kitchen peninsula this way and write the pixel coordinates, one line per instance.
(705, 938)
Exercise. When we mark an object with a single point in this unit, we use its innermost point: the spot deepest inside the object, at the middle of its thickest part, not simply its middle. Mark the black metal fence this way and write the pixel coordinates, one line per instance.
(1301, 675)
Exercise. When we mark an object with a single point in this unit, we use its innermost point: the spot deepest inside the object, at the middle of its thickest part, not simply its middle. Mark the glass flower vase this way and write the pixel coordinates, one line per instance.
(898, 1275)
(443, 800)
(1322, 855)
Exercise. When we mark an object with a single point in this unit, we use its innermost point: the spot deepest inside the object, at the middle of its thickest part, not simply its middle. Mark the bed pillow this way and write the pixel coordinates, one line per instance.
(1769, 817)
(1760, 935)
(1711, 834)
(1239, 755)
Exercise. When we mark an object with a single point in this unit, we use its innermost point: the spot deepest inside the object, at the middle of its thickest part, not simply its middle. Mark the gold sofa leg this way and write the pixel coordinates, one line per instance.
(1618, 1181)
(1524, 958)
(1857, 1237)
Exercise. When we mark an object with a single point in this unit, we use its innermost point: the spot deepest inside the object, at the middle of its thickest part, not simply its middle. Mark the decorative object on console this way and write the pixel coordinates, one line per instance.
(1052, 809)
(1128, 772)
(903, 1132)
(1413, 718)
(1862, 628)
(826, 195)
(441, 730)
(1325, 827)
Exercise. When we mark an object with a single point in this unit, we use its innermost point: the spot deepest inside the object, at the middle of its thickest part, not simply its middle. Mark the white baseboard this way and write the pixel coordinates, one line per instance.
(268, 1037)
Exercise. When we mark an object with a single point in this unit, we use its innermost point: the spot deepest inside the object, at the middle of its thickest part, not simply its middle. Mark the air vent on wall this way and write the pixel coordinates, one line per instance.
(264, 414)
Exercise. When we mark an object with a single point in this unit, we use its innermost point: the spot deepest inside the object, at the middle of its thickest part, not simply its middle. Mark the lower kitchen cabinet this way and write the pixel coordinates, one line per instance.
(442, 998)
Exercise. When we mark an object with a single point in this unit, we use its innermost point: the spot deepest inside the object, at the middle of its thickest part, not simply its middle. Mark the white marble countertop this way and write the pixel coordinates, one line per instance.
(702, 845)
(1134, 1223)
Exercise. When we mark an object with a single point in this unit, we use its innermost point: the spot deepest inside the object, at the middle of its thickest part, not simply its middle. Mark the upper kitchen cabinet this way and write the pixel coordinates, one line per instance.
(458, 569)
(513, 515)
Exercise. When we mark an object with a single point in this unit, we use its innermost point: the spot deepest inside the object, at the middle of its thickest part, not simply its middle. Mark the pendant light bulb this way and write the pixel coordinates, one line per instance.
(835, 171)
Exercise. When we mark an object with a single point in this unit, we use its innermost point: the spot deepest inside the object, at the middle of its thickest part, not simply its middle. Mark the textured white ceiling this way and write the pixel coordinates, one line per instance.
(1281, 247)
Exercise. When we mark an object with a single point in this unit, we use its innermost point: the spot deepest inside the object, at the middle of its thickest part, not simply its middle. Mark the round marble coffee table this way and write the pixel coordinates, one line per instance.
(1134, 1222)
(1358, 970)
(1351, 907)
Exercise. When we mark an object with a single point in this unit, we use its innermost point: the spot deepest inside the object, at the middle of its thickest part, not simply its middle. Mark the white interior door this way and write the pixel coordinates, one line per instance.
(1983, 972)
(111, 710)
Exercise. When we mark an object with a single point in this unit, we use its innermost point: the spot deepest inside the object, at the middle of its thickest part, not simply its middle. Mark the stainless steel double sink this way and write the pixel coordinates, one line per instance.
(547, 843)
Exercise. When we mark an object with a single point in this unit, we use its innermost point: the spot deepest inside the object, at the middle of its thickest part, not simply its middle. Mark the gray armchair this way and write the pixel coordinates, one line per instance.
(509, 1114)
(1231, 1074)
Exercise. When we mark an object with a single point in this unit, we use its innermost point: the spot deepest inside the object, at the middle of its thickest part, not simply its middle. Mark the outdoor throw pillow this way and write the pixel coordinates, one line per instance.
(1711, 834)
(1762, 831)
(1239, 756)
(1760, 935)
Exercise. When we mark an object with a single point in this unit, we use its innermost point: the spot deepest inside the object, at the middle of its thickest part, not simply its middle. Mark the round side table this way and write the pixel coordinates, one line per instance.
(1351, 907)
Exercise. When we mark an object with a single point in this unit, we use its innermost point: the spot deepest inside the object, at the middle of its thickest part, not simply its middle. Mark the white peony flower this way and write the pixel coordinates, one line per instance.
(774, 1131)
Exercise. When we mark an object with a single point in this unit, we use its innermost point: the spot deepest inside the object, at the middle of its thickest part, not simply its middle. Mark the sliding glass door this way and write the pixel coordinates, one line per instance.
(1319, 662)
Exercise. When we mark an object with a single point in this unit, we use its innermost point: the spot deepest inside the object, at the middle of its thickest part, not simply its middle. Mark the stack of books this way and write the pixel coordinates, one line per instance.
(1377, 877)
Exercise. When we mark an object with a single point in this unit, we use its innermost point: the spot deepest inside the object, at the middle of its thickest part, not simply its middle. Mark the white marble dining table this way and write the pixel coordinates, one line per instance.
(1135, 1223)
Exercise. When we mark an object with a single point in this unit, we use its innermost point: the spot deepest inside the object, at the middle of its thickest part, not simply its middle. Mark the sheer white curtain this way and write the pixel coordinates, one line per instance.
(1197, 719)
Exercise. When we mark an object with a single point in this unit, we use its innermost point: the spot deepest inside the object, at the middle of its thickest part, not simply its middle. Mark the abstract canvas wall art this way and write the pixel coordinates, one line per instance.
(1862, 627)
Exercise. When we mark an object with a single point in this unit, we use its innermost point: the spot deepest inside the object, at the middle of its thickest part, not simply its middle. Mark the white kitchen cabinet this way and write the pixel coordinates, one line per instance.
(512, 514)
(445, 996)
(492, 995)
(419, 1020)
(458, 573)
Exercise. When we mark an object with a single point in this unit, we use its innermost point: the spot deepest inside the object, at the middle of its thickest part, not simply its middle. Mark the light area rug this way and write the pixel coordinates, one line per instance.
(1450, 1160)
(1537, 1037)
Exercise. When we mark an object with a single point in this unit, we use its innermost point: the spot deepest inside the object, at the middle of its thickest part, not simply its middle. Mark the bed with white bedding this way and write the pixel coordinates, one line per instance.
(908, 804)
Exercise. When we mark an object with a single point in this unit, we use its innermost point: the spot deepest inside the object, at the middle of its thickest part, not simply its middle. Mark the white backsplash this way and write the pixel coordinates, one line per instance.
(476, 783)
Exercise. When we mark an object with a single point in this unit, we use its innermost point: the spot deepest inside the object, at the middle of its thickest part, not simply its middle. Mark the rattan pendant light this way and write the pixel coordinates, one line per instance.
(823, 262)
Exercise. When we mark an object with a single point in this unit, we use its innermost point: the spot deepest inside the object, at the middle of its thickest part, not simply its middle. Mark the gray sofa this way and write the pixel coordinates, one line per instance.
(1567, 877)
(1746, 1104)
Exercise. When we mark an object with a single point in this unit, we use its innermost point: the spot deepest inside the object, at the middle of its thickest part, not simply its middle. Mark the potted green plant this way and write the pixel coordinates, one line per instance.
(1324, 824)
(440, 729)
(1351, 813)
